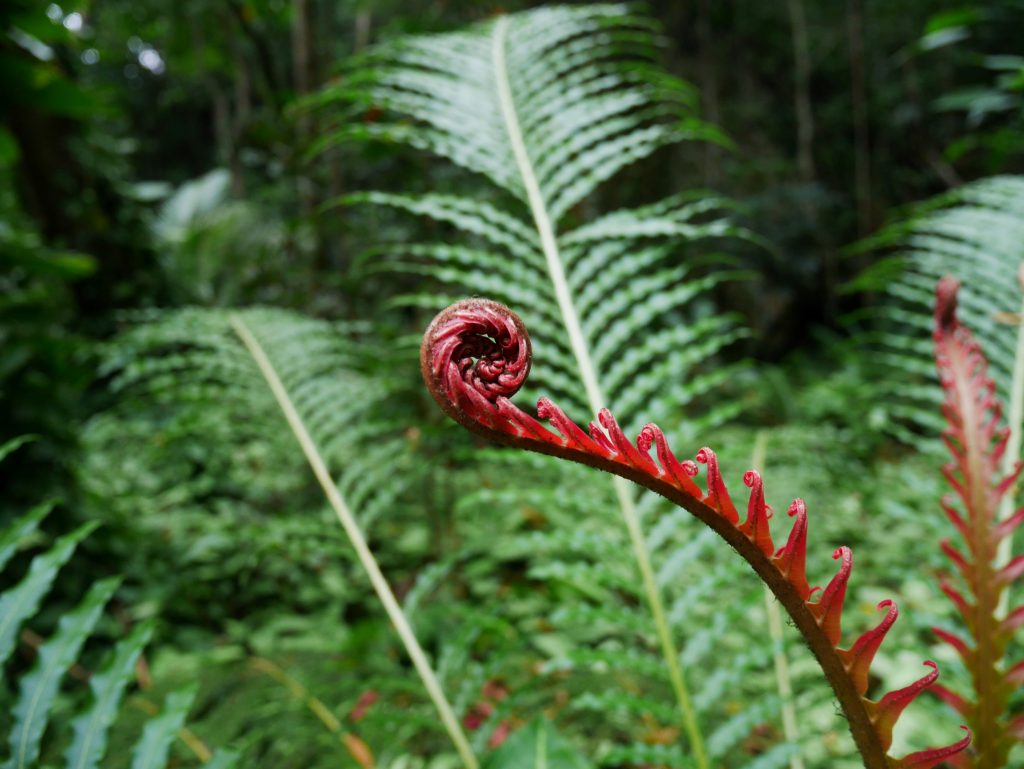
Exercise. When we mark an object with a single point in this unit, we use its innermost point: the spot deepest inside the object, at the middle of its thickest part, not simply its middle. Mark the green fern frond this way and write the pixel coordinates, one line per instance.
(602, 638)
(198, 429)
(23, 600)
(36, 732)
(153, 748)
(20, 530)
(975, 233)
(39, 686)
(547, 105)
(299, 369)
(89, 729)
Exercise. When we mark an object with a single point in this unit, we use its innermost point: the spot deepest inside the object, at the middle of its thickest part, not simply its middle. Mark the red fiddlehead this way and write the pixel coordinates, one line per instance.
(476, 355)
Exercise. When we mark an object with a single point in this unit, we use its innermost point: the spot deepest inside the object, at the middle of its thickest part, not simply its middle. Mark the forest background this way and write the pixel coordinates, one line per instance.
(162, 164)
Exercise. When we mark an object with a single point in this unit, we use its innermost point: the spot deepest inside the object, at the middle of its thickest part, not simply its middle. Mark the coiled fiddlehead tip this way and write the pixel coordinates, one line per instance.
(475, 353)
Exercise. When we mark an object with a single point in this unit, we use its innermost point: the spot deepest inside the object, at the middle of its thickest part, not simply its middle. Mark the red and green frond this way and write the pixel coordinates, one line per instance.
(476, 355)
(977, 442)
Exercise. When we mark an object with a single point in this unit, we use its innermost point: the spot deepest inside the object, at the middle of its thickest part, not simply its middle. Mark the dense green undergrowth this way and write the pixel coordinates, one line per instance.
(188, 596)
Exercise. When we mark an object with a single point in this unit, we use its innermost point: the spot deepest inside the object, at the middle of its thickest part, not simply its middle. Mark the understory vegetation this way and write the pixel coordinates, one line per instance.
(236, 530)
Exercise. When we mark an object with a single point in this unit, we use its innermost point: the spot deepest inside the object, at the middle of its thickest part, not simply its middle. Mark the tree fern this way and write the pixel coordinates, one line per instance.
(547, 105)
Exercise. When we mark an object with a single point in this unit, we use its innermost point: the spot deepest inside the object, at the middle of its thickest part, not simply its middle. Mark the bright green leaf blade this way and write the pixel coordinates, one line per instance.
(39, 687)
(21, 602)
(9, 149)
(90, 729)
(155, 744)
(536, 746)
(14, 444)
(24, 527)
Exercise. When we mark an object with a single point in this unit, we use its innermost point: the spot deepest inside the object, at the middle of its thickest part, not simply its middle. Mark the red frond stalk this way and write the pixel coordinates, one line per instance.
(1013, 621)
(956, 642)
(476, 354)
(631, 455)
(1007, 527)
(601, 439)
(954, 516)
(1012, 570)
(976, 442)
(570, 430)
(679, 473)
(966, 609)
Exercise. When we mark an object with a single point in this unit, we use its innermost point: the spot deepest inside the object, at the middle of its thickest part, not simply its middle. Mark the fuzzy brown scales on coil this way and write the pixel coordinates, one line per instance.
(476, 355)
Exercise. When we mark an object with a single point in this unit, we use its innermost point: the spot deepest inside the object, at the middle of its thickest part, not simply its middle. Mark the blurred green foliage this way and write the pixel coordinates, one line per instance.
(161, 164)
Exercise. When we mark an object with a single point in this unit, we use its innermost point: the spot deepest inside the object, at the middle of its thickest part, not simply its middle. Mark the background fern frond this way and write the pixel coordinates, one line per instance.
(32, 699)
(548, 104)
(196, 430)
(598, 645)
(153, 748)
(976, 234)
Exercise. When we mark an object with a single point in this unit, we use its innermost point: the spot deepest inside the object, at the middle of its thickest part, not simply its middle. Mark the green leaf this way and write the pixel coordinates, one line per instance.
(942, 38)
(536, 746)
(223, 759)
(955, 17)
(14, 444)
(43, 86)
(21, 602)
(9, 149)
(90, 729)
(24, 527)
(39, 687)
(155, 744)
